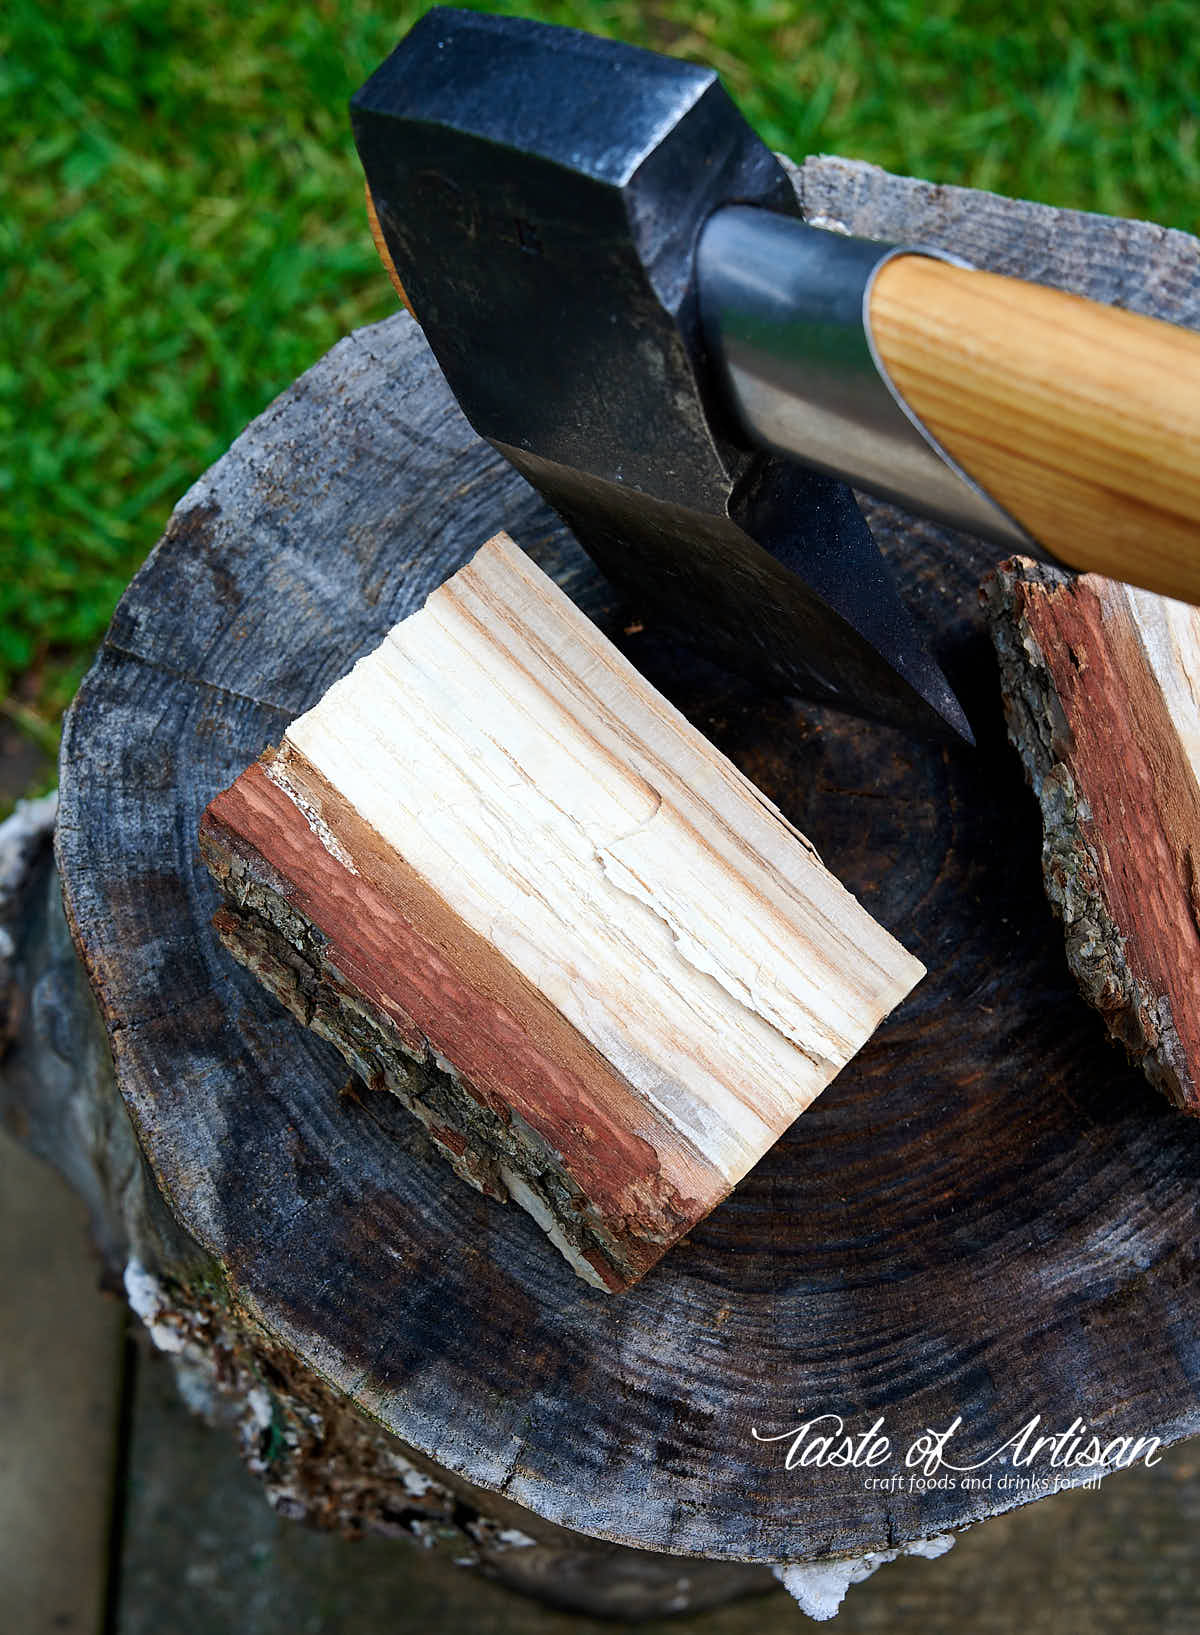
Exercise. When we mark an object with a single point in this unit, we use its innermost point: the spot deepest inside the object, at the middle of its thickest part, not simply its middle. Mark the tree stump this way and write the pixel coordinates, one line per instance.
(989, 1215)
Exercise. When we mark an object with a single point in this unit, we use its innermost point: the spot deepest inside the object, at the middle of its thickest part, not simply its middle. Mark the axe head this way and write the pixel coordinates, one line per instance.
(541, 192)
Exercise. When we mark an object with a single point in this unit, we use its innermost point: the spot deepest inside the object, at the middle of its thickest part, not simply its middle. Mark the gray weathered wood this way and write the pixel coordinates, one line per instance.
(987, 1215)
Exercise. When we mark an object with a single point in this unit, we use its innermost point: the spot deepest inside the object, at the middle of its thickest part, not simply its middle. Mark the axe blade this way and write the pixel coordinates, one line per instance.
(541, 192)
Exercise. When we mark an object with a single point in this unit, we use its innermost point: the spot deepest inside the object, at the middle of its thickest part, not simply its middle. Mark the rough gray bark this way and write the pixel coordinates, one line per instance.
(988, 1215)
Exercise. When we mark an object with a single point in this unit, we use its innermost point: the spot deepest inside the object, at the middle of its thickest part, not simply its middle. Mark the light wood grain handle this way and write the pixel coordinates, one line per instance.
(1083, 421)
(385, 255)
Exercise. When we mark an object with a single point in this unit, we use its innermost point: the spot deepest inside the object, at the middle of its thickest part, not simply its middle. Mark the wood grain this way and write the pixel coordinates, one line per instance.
(1102, 700)
(990, 1213)
(1082, 421)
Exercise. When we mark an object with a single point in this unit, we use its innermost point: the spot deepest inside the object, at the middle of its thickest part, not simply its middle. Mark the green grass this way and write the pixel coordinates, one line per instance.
(182, 229)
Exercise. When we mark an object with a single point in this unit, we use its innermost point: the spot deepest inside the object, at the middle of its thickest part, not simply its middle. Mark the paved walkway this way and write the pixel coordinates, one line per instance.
(60, 1381)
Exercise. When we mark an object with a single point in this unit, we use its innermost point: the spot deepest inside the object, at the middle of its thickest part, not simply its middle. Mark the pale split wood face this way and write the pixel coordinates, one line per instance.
(528, 864)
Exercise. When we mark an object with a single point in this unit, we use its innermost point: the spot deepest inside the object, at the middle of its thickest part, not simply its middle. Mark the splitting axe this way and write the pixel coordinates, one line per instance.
(613, 273)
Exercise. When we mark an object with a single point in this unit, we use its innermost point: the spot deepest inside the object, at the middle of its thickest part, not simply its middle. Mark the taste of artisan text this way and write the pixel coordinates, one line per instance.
(824, 1442)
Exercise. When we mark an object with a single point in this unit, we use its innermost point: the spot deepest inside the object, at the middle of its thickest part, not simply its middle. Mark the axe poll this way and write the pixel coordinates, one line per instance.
(612, 272)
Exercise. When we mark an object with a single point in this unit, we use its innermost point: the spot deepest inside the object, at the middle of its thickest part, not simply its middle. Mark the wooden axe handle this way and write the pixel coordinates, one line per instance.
(1082, 420)
(385, 255)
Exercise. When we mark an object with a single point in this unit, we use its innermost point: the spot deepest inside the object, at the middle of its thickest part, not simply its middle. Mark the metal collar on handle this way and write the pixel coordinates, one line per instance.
(785, 309)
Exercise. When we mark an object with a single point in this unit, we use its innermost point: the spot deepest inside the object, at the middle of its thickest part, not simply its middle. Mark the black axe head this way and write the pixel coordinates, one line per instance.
(541, 191)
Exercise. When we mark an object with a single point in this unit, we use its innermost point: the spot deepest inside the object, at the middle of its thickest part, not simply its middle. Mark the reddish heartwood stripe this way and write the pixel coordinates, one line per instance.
(396, 941)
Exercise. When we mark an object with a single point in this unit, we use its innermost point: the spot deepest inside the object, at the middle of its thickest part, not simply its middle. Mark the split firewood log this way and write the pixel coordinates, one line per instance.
(512, 884)
(1102, 696)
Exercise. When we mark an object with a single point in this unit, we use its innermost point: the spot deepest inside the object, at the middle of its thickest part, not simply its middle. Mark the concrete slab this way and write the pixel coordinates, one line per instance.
(61, 1346)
